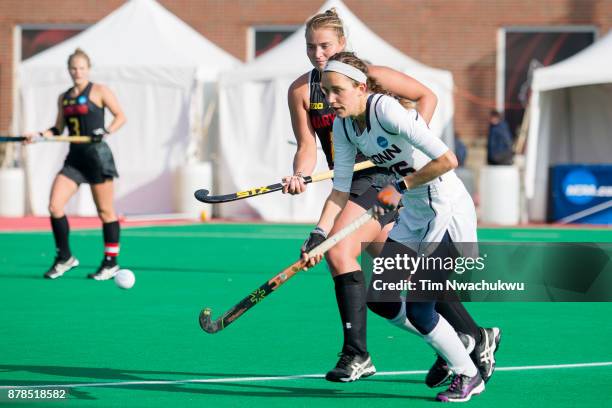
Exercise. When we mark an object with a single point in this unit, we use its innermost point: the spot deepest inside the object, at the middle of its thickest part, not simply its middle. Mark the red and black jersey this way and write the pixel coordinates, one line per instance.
(322, 118)
(81, 115)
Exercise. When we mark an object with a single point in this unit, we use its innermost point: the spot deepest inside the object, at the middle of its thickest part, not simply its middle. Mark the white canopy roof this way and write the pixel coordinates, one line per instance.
(570, 118)
(289, 57)
(592, 65)
(141, 35)
(157, 66)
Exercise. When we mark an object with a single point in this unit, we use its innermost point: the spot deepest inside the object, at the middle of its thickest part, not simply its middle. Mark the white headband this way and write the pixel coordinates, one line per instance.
(346, 69)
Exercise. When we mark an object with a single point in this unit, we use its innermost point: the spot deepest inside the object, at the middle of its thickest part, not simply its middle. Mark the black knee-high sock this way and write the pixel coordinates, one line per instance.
(458, 317)
(61, 230)
(110, 231)
(351, 298)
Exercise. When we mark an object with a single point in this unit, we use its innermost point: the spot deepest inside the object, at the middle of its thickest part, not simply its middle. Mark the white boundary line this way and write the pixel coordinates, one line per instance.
(288, 377)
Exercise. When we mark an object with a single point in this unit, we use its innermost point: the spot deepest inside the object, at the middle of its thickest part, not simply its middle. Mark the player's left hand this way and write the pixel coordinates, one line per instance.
(388, 199)
(97, 135)
(316, 237)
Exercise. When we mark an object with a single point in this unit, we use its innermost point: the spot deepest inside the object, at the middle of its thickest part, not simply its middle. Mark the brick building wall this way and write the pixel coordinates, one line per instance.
(457, 35)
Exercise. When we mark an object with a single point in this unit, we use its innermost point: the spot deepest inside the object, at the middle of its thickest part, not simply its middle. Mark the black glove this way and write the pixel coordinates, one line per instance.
(400, 185)
(98, 134)
(317, 236)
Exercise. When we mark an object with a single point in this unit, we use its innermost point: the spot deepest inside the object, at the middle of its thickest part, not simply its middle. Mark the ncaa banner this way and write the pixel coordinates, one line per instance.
(581, 194)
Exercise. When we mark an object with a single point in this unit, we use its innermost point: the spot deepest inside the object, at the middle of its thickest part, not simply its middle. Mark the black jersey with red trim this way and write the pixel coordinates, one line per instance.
(321, 117)
(91, 163)
(81, 115)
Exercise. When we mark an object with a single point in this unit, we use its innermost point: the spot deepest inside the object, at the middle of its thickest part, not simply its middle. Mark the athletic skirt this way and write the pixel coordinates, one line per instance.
(429, 211)
(89, 163)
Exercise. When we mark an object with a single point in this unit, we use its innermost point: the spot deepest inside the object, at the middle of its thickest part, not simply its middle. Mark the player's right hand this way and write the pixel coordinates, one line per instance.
(97, 135)
(31, 137)
(294, 184)
(387, 200)
(316, 237)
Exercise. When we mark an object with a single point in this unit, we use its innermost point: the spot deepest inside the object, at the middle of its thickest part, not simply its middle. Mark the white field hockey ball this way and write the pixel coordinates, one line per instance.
(125, 279)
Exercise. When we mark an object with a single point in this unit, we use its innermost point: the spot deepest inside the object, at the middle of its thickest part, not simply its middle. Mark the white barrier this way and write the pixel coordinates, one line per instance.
(189, 178)
(12, 192)
(499, 195)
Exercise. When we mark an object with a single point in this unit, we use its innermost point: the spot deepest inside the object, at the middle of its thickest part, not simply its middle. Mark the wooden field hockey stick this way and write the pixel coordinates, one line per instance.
(259, 294)
(36, 139)
(202, 195)
(71, 139)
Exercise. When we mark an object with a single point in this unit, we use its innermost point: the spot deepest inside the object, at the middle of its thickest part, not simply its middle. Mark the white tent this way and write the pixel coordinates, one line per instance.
(255, 125)
(570, 118)
(161, 71)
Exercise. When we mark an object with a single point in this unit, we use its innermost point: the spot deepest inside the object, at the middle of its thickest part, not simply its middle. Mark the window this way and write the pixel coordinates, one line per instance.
(521, 50)
(264, 38)
(32, 39)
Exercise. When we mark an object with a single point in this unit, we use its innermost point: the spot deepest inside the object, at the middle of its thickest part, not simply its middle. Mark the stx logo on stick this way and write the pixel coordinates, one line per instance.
(253, 191)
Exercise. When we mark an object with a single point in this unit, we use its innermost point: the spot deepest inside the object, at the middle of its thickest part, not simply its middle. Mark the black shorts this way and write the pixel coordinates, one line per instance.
(365, 188)
(91, 164)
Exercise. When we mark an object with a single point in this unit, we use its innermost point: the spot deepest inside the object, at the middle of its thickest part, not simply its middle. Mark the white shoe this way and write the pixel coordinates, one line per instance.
(104, 273)
(61, 267)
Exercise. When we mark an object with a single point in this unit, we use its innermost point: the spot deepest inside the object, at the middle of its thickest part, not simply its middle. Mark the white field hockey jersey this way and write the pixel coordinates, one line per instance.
(400, 140)
(395, 138)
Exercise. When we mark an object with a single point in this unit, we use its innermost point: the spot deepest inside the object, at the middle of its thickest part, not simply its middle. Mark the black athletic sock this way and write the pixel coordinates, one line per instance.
(61, 230)
(110, 231)
(351, 298)
(458, 317)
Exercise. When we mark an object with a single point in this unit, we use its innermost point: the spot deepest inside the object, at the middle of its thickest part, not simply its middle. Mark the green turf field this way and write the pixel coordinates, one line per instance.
(143, 347)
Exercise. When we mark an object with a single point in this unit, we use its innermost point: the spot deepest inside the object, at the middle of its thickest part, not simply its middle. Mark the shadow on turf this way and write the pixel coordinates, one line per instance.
(328, 390)
(28, 277)
(136, 268)
(82, 270)
(109, 373)
(79, 273)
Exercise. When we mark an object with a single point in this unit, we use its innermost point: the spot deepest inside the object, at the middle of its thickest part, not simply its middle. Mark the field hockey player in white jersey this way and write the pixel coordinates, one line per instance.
(437, 207)
(312, 117)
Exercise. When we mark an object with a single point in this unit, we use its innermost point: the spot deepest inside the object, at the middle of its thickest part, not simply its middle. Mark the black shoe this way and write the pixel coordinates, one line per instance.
(439, 373)
(60, 267)
(351, 367)
(104, 272)
(484, 352)
(462, 388)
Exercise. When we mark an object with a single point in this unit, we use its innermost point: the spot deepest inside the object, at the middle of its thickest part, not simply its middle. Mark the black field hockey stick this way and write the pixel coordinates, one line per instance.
(8, 139)
(202, 195)
(36, 139)
(259, 294)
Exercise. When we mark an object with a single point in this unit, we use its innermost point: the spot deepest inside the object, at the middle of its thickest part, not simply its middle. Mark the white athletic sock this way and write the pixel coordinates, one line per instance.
(445, 341)
(402, 321)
